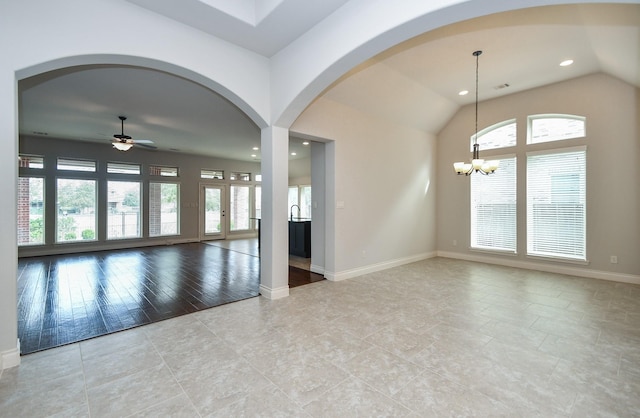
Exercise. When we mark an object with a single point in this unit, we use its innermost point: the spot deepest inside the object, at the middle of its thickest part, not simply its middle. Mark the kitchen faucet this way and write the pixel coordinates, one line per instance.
(291, 211)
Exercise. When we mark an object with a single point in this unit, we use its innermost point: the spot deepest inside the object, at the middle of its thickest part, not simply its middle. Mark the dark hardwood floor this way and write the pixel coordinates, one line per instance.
(69, 298)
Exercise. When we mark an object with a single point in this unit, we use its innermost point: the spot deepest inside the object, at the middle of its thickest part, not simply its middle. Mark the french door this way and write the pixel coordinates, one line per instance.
(212, 212)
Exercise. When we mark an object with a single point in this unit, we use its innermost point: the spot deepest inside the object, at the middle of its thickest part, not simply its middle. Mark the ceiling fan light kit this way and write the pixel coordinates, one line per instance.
(124, 142)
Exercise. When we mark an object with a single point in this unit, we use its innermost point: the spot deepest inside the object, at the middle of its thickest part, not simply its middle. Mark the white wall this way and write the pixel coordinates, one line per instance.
(384, 175)
(613, 152)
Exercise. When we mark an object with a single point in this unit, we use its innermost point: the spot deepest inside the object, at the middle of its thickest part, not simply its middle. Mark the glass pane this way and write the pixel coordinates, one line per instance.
(31, 161)
(240, 176)
(75, 210)
(30, 210)
(305, 201)
(239, 208)
(500, 135)
(547, 128)
(493, 208)
(163, 171)
(556, 203)
(76, 165)
(293, 200)
(258, 205)
(123, 168)
(212, 174)
(123, 203)
(212, 218)
(164, 202)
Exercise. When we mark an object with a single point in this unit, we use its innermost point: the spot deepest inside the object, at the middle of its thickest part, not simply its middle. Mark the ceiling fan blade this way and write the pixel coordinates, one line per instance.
(143, 141)
(144, 145)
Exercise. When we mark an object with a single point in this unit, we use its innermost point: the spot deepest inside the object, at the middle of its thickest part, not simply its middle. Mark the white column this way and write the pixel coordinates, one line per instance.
(274, 227)
(9, 350)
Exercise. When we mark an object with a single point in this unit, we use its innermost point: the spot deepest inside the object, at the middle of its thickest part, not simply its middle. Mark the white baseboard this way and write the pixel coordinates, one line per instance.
(548, 267)
(316, 269)
(10, 358)
(372, 268)
(279, 293)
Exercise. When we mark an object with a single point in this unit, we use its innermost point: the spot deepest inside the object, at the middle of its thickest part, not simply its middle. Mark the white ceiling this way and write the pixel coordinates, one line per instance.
(415, 83)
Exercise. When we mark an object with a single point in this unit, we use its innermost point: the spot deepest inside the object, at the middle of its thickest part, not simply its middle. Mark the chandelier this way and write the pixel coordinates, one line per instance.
(477, 164)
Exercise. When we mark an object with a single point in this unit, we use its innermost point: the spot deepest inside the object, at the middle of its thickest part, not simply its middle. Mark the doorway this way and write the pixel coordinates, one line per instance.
(213, 225)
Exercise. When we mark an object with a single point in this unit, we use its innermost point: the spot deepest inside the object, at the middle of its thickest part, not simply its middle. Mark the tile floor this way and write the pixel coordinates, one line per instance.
(435, 338)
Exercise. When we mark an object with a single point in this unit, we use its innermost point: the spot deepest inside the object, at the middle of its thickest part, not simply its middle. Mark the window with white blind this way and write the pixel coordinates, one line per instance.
(123, 168)
(164, 209)
(556, 203)
(73, 164)
(493, 208)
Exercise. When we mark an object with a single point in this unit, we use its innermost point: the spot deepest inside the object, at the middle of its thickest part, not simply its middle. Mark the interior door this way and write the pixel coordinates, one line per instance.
(212, 212)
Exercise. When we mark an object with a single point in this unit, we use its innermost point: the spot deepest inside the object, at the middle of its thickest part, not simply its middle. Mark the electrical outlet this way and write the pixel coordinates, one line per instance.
(613, 259)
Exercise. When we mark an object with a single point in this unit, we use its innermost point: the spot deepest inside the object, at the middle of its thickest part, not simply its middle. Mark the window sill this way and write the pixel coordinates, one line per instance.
(493, 251)
(559, 259)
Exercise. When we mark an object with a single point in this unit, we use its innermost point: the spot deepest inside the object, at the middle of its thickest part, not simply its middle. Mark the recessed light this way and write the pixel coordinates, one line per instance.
(566, 63)
(293, 153)
(463, 93)
(256, 148)
(305, 143)
(254, 155)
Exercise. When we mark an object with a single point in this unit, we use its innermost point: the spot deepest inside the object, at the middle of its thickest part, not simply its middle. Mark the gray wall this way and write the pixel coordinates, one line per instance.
(613, 151)
(189, 179)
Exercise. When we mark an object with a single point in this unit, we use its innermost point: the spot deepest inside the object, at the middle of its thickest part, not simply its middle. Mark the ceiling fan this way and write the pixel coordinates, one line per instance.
(124, 142)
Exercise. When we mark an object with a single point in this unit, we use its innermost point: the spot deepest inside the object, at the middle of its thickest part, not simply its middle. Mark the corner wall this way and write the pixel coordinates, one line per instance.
(384, 189)
(613, 157)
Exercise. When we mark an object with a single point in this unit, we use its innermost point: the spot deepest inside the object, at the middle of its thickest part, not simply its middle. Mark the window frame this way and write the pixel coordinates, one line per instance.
(473, 232)
(139, 212)
(151, 206)
(484, 132)
(57, 219)
(583, 259)
(532, 118)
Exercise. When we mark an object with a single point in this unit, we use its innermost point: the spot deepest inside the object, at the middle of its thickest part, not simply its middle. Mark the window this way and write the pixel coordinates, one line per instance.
(70, 164)
(123, 168)
(301, 196)
(164, 204)
(293, 200)
(75, 210)
(556, 197)
(305, 201)
(239, 208)
(258, 177)
(493, 208)
(500, 135)
(30, 210)
(155, 170)
(212, 174)
(547, 128)
(31, 161)
(123, 202)
(240, 176)
(258, 204)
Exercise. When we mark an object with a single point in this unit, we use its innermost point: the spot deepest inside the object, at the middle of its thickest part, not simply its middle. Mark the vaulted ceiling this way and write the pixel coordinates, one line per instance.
(414, 84)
